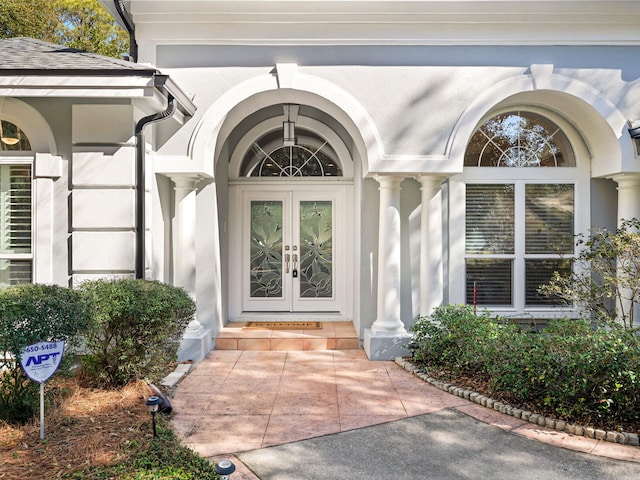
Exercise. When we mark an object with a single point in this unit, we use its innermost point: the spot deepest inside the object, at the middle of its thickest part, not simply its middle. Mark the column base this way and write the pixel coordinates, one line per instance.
(385, 346)
(195, 347)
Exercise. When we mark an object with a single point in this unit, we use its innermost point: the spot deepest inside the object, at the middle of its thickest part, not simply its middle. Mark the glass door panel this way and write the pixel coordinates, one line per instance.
(316, 249)
(289, 260)
(266, 249)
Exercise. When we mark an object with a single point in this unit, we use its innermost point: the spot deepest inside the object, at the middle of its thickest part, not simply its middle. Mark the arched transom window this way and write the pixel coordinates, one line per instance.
(519, 139)
(307, 155)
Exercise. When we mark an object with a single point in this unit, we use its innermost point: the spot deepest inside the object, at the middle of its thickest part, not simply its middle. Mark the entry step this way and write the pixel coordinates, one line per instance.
(328, 336)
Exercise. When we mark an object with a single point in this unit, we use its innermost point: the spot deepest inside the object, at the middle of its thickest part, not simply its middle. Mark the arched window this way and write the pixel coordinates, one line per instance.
(519, 220)
(307, 155)
(12, 138)
(16, 252)
(519, 139)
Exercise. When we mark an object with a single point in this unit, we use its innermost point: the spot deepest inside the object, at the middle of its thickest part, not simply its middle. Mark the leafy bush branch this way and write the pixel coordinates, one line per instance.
(606, 280)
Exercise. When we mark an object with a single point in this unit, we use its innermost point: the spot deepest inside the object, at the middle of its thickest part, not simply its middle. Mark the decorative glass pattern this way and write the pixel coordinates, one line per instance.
(294, 161)
(316, 247)
(266, 249)
(519, 139)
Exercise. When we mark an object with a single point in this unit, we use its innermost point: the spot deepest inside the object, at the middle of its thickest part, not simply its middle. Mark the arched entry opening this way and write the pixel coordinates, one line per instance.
(291, 206)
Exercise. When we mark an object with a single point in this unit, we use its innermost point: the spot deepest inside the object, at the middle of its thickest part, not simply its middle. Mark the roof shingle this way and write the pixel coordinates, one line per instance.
(27, 55)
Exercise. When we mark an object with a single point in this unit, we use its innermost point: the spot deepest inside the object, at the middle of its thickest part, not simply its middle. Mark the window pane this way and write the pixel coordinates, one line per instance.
(12, 138)
(15, 209)
(538, 273)
(549, 218)
(489, 226)
(266, 249)
(316, 249)
(519, 139)
(13, 272)
(492, 279)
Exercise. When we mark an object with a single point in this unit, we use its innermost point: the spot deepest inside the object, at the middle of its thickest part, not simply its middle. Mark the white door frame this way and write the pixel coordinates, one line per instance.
(341, 194)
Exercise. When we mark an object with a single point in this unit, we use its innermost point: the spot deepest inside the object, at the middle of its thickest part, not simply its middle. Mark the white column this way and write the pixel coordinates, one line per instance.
(388, 308)
(431, 283)
(184, 239)
(628, 208)
(47, 170)
(628, 196)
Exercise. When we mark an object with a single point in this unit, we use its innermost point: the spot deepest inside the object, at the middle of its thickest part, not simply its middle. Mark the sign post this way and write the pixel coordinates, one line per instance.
(40, 361)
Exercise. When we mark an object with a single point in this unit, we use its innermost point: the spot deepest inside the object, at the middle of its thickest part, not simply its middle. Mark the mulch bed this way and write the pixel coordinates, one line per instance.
(86, 429)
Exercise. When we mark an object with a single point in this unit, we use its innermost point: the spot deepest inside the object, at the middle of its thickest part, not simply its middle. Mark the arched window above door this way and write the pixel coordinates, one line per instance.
(519, 139)
(305, 155)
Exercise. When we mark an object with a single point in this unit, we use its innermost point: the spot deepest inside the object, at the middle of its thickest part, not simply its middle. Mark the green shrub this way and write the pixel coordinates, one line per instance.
(136, 331)
(576, 371)
(30, 314)
(455, 338)
(571, 369)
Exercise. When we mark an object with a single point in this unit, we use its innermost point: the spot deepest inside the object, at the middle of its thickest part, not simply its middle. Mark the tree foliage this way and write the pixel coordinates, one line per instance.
(86, 25)
(29, 18)
(80, 24)
(606, 282)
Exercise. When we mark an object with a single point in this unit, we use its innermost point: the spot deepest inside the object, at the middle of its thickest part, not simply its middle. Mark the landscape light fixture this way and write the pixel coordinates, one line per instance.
(153, 403)
(224, 468)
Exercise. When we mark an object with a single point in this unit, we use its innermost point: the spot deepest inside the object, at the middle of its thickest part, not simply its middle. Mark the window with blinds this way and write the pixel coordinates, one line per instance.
(16, 258)
(549, 218)
(541, 216)
(490, 220)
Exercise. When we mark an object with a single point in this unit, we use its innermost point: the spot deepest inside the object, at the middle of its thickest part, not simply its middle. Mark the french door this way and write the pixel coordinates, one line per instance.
(293, 249)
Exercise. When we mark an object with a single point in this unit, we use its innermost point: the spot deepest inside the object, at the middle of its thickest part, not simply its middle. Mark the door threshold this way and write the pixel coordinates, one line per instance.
(290, 317)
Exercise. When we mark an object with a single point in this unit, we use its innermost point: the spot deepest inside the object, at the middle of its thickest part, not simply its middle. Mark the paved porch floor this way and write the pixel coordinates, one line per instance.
(236, 401)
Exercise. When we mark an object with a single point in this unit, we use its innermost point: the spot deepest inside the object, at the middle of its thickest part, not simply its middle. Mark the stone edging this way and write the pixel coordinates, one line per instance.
(537, 419)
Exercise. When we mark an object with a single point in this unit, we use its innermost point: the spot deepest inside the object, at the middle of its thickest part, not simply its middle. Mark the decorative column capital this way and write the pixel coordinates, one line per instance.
(185, 181)
(627, 180)
(389, 181)
(431, 182)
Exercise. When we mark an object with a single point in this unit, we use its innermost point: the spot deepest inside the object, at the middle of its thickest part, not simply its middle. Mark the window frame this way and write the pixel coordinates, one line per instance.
(21, 158)
(578, 176)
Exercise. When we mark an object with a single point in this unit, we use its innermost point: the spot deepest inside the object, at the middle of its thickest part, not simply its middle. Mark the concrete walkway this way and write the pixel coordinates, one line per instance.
(333, 414)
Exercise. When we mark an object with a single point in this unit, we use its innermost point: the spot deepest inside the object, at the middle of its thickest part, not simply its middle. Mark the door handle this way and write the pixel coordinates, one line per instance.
(295, 265)
(286, 263)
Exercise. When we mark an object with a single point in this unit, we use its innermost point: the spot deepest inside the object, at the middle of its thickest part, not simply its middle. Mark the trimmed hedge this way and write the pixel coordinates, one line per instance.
(136, 331)
(576, 371)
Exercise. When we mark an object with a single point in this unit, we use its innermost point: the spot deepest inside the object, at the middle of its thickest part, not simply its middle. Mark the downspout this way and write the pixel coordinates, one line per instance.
(131, 28)
(141, 180)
